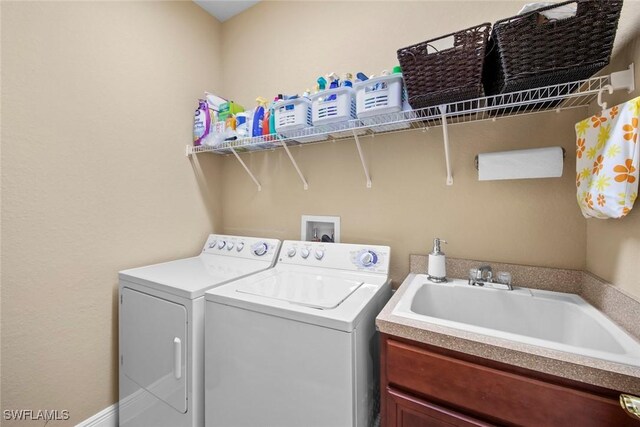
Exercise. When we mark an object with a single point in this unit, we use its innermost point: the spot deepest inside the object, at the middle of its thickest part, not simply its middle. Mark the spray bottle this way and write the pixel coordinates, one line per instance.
(322, 83)
(258, 117)
(348, 80)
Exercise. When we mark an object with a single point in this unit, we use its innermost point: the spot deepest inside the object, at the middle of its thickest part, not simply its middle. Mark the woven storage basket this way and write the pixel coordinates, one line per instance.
(528, 51)
(438, 77)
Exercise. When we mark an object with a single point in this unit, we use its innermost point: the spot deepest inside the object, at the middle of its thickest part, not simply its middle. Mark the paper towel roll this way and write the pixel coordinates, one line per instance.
(521, 164)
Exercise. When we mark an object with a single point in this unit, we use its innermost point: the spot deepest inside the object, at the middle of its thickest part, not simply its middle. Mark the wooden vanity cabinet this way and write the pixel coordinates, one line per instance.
(426, 386)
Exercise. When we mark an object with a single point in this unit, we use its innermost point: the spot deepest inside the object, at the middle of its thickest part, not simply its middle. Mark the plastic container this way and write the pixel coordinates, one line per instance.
(333, 110)
(379, 95)
(293, 119)
(382, 99)
(325, 110)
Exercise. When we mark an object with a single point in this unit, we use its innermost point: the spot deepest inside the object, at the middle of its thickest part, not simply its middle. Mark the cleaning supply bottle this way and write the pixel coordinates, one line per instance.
(334, 81)
(362, 76)
(242, 124)
(322, 83)
(397, 70)
(231, 122)
(437, 269)
(258, 117)
(265, 122)
(272, 114)
(348, 80)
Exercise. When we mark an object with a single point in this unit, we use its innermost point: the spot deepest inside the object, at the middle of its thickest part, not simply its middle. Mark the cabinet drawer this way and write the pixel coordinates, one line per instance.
(407, 411)
(501, 396)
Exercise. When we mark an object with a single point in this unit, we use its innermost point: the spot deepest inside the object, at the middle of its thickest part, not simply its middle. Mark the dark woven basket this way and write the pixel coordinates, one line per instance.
(528, 51)
(451, 75)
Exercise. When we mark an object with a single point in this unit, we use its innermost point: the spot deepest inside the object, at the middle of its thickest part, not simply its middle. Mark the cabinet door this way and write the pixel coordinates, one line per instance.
(154, 341)
(499, 395)
(407, 411)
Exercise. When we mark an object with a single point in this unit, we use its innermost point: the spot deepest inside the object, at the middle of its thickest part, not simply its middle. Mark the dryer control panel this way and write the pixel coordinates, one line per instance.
(343, 256)
(242, 247)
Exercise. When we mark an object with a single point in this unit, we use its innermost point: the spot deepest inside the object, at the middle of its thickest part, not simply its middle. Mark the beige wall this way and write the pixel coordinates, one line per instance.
(613, 246)
(97, 104)
(531, 222)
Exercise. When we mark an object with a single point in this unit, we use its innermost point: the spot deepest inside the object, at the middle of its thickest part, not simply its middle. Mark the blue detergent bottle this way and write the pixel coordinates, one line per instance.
(258, 116)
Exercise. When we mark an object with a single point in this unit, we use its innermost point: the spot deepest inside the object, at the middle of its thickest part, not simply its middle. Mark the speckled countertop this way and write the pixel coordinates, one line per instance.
(620, 307)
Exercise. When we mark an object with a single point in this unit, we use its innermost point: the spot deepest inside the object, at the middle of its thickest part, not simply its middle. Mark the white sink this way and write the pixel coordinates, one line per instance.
(553, 320)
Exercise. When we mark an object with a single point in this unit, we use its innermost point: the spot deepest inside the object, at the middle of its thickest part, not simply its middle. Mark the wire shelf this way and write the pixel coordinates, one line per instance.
(549, 98)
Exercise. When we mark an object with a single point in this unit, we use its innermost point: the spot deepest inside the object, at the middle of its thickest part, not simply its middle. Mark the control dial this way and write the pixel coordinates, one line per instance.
(229, 246)
(291, 252)
(319, 254)
(368, 258)
(212, 244)
(239, 246)
(221, 244)
(260, 248)
(304, 253)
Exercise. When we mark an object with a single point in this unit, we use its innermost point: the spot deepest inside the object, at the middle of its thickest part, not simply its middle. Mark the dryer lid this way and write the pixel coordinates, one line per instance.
(191, 277)
(321, 291)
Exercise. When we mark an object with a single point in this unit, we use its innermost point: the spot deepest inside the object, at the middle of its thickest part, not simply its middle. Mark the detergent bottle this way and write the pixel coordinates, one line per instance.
(258, 117)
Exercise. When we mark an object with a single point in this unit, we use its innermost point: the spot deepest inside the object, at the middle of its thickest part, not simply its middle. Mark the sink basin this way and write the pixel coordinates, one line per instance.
(554, 320)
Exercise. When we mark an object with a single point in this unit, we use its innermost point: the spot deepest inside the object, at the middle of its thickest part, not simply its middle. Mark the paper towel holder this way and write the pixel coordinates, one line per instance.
(564, 156)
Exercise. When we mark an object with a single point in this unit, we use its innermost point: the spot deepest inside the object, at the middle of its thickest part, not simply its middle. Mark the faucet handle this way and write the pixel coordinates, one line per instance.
(504, 277)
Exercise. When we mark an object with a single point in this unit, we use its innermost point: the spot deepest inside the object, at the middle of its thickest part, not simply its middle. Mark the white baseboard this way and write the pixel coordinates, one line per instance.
(108, 417)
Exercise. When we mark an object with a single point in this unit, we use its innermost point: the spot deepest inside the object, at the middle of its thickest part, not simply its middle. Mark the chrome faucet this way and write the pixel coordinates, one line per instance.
(484, 277)
(485, 274)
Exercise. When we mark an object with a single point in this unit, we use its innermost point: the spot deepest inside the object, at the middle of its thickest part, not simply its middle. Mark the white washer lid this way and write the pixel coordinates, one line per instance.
(311, 290)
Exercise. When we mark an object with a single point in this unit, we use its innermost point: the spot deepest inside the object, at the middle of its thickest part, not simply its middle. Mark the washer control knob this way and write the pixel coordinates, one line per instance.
(239, 246)
(291, 252)
(221, 244)
(260, 248)
(212, 244)
(304, 253)
(319, 254)
(368, 259)
(229, 246)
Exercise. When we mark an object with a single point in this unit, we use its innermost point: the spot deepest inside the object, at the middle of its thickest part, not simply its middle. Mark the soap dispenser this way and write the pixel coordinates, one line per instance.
(437, 270)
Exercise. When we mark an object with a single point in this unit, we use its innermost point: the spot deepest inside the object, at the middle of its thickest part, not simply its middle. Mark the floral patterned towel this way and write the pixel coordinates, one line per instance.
(607, 161)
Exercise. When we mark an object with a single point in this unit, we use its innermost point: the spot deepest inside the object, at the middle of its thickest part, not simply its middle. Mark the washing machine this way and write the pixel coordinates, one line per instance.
(296, 345)
(161, 329)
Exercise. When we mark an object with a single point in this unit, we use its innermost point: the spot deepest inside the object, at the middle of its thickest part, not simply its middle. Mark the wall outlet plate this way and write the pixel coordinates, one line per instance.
(312, 225)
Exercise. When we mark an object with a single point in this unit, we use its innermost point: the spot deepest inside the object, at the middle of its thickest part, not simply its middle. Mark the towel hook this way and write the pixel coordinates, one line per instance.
(602, 104)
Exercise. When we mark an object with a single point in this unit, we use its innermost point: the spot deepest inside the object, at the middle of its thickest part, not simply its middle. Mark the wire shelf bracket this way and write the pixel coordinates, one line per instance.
(445, 137)
(362, 160)
(624, 79)
(295, 165)
(251, 175)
